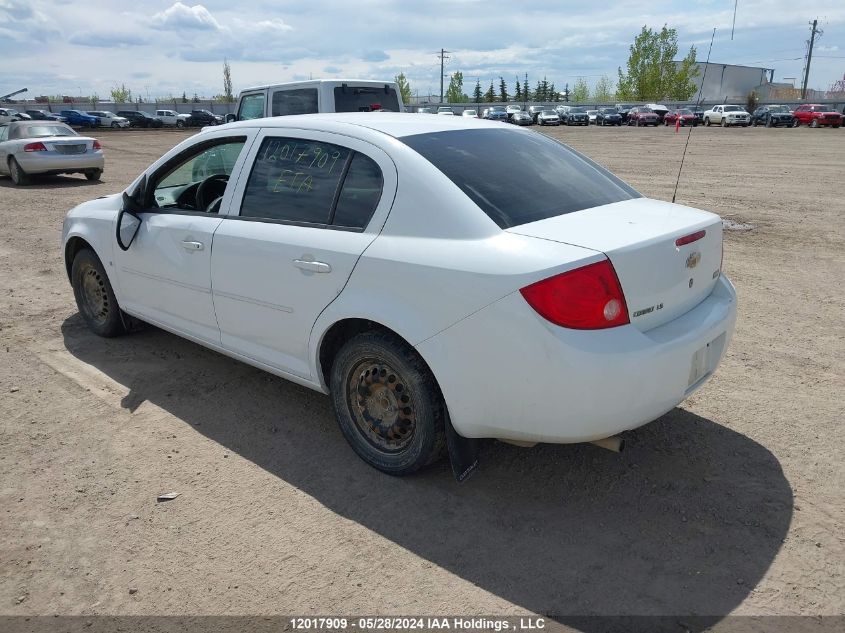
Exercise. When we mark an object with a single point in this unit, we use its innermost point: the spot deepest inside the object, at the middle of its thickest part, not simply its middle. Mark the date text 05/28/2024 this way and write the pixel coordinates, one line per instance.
(417, 623)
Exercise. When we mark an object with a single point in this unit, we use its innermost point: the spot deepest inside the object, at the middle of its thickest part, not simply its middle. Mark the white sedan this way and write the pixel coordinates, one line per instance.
(29, 148)
(422, 271)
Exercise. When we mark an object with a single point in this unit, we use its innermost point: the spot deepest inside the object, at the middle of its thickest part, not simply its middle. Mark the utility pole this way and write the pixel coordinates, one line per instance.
(443, 57)
(810, 57)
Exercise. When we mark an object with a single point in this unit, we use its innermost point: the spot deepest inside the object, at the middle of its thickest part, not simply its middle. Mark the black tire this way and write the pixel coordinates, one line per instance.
(19, 176)
(94, 295)
(96, 174)
(724, 122)
(404, 392)
(707, 121)
(769, 122)
(180, 123)
(814, 123)
(796, 123)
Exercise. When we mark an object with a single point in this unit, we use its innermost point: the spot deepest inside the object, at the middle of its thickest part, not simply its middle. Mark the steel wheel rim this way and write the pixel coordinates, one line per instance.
(382, 405)
(95, 299)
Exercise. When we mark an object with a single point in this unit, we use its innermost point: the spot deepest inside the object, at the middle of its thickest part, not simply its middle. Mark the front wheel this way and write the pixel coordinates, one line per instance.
(707, 122)
(724, 123)
(114, 125)
(388, 404)
(814, 123)
(180, 124)
(94, 295)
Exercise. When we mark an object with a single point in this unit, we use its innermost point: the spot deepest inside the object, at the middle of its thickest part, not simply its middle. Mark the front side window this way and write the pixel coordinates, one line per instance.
(519, 177)
(178, 184)
(299, 101)
(252, 107)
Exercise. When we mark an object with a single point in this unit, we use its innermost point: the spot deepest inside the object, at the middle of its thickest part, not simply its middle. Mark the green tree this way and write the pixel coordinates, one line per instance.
(526, 96)
(518, 93)
(652, 73)
(122, 94)
(184, 97)
(553, 95)
(604, 91)
(503, 90)
(581, 91)
(490, 95)
(455, 93)
(228, 97)
(477, 94)
(404, 88)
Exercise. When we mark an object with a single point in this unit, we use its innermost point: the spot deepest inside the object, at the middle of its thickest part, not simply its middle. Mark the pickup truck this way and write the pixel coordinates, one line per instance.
(75, 117)
(172, 118)
(727, 115)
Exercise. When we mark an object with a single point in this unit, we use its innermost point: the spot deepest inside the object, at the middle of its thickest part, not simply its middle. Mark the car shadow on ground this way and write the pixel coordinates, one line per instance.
(685, 522)
(52, 182)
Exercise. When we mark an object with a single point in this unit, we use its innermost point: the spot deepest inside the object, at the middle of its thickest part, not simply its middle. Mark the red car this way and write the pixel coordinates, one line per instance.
(815, 115)
(642, 116)
(687, 117)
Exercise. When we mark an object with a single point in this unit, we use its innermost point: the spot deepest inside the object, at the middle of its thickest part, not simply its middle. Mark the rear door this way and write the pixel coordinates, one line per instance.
(306, 209)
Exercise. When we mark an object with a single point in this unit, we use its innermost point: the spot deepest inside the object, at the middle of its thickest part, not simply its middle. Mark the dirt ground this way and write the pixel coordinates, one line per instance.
(732, 503)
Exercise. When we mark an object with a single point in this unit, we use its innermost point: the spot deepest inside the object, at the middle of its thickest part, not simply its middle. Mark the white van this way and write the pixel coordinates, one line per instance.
(318, 95)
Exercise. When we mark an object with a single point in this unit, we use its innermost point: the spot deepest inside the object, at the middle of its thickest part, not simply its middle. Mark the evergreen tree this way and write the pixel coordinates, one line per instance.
(518, 94)
(526, 95)
(503, 90)
(490, 95)
(553, 95)
(477, 95)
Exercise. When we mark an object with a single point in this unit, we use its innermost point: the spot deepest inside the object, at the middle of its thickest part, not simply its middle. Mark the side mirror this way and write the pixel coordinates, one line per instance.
(231, 117)
(127, 228)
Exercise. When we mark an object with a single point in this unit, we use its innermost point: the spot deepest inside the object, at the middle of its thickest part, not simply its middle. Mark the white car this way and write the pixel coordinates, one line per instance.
(470, 114)
(29, 148)
(110, 119)
(172, 118)
(591, 116)
(443, 110)
(548, 117)
(7, 115)
(727, 115)
(396, 263)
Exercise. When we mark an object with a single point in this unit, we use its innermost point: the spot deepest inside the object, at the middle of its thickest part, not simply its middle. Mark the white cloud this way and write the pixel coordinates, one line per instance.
(180, 16)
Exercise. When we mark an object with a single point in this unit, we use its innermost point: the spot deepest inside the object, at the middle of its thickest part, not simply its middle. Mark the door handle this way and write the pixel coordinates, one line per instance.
(314, 267)
(192, 246)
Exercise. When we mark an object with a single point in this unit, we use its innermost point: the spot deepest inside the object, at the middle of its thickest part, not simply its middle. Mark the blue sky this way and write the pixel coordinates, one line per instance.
(161, 47)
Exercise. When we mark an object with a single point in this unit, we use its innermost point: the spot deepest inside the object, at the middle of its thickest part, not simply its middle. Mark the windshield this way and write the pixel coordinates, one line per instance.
(577, 110)
(609, 111)
(497, 108)
(495, 169)
(778, 108)
(549, 112)
(733, 109)
(365, 99)
(823, 108)
(687, 112)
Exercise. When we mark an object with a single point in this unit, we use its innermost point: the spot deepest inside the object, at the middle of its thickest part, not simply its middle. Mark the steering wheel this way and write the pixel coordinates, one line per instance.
(210, 191)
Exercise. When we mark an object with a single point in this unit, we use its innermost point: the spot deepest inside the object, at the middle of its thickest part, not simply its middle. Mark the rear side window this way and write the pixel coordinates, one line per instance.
(252, 107)
(294, 180)
(516, 176)
(360, 194)
(300, 101)
(365, 99)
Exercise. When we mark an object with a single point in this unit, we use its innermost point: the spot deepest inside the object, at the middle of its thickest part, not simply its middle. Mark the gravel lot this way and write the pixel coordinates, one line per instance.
(732, 503)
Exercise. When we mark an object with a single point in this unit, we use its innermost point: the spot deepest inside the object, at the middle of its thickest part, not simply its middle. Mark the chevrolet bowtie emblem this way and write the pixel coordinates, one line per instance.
(693, 259)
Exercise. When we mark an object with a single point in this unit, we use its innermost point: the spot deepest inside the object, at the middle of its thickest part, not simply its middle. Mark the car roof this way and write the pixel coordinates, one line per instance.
(396, 124)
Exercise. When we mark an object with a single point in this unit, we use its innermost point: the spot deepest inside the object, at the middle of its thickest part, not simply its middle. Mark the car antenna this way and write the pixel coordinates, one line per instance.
(697, 101)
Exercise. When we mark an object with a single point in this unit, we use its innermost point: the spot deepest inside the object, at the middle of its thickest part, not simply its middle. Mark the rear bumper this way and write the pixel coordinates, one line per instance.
(507, 373)
(32, 163)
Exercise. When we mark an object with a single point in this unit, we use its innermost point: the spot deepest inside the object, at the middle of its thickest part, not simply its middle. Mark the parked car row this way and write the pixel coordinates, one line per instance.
(117, 120)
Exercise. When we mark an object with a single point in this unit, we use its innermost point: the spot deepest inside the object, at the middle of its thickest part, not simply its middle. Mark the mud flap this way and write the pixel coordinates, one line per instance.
(463, 452)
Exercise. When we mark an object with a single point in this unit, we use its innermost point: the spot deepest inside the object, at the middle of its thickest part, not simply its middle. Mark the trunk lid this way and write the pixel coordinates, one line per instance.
(661, 280)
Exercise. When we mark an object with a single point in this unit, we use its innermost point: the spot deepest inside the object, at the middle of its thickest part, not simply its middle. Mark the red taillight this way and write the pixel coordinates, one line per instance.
(34, 147)
(689, 239)
(587, 298)
(96, 145)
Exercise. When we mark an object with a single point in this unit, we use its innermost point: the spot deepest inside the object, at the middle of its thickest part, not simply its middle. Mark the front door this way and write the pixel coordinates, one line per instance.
(312, 204)
(165, 274)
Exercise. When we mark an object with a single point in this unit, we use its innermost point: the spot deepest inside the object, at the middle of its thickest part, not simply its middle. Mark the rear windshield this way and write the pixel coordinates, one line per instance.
(41, 131)
(365, 99)
(517, 177)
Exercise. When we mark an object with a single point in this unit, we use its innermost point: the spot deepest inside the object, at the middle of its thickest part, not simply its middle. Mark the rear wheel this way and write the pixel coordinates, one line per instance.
(19, 176)
(94, 295)
(388, 404)
(94, 174)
